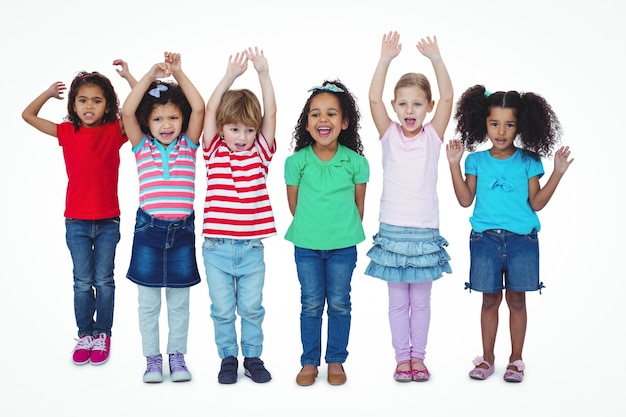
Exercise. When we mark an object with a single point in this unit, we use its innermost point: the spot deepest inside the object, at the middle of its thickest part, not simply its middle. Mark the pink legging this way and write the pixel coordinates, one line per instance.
(409, 318)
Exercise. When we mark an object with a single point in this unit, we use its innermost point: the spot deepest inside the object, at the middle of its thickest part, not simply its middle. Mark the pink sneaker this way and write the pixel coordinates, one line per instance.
(100, 349)
(82, 350)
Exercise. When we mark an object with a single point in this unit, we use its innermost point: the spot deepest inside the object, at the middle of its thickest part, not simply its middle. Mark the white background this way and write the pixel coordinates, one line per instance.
(569, 53)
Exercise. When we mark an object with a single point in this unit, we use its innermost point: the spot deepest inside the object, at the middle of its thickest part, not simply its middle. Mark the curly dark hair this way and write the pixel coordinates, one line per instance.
(112, 111)
(349, 137)
(171, 93)
(538, 128)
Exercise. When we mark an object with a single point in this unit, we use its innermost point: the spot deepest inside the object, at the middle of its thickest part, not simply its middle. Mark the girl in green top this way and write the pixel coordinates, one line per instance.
(326, 178)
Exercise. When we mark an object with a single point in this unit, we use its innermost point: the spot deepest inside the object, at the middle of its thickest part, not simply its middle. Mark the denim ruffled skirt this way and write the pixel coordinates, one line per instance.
(408, 254)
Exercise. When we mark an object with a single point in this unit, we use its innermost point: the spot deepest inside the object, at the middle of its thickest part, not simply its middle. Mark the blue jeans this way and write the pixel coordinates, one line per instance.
(92, 244)
(325, 277)
(235, 273)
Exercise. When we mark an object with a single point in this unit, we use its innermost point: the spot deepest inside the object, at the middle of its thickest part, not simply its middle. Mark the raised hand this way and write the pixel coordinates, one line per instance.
(173, 61)
(561, 162)
(391, 45)
(237, 65)
(428, 47)
(258, 59)
(123, 70)
(454, 151)
(56, 90)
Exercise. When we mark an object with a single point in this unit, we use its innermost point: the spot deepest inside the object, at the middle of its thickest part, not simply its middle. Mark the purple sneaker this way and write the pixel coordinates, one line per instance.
(82, 350)
(154, 369)
(100, 349)
(178, 369)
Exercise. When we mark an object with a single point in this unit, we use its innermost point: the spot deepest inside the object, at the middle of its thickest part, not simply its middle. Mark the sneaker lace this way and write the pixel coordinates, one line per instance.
(155, 363)
(99, 344)
(85, 342)
(177, 362)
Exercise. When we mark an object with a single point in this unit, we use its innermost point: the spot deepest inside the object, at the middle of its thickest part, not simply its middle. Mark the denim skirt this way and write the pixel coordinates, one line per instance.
(163, 253)
(408, 254)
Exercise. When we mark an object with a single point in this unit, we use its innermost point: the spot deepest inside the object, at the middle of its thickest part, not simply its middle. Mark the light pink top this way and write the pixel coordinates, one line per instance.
(410, 172)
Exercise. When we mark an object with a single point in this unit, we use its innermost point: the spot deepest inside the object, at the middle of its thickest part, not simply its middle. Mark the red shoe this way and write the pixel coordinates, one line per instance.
(403, 375)
(419, 375)
(82, 350)
(100, 349)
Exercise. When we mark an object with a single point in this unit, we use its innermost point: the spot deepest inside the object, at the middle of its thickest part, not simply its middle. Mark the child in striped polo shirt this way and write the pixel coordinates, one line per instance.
(238, 147)
(163, 121)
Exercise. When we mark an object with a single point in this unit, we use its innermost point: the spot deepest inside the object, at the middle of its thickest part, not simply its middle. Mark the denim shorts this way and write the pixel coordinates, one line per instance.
(504, 260)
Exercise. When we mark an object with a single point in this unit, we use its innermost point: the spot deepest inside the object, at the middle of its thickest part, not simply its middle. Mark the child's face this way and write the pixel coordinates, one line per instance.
(501, 130)
(325, 120)
(238, 137)
(411, 106)
(90, 105)
(165, 123)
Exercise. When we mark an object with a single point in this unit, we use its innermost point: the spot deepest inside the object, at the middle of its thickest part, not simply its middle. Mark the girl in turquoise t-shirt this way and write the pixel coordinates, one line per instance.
(504, 249)
(326, 178)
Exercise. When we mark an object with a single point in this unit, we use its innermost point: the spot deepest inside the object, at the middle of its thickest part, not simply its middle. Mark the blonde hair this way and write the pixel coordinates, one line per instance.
(413, 79)
(239, 106)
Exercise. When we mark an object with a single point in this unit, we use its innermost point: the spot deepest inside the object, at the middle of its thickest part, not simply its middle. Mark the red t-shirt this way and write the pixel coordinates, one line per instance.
(92, 161)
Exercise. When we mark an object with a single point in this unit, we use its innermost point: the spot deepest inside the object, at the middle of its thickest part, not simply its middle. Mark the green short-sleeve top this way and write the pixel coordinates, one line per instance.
(326, 215)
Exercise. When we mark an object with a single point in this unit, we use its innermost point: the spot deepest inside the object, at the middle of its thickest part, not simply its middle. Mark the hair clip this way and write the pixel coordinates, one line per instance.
(327, 87)
(487, 93)
(156, 91)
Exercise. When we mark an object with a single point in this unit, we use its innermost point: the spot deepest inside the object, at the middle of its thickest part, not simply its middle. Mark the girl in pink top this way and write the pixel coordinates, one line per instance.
(163, 121)
(408, 252)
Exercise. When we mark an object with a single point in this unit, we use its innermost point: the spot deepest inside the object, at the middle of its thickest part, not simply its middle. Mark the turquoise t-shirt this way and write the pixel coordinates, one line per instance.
(502, 191)
(326, 215)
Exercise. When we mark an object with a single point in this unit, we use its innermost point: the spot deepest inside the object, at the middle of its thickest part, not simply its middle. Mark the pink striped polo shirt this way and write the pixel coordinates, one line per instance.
(166, 177)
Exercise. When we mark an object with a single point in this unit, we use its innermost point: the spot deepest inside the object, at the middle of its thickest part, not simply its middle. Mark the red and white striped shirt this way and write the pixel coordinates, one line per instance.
(237, 204)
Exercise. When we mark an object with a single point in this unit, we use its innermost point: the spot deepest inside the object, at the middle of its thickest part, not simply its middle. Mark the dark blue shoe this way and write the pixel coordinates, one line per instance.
(228, 371)
(255, 370)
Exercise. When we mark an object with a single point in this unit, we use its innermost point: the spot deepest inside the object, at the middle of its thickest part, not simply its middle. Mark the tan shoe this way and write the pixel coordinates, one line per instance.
(307, 375)
(336, 374)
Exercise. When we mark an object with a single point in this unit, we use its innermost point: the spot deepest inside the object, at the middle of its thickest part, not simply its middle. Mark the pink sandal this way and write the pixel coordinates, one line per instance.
(517, 374)
(419, 375)
(403, 376)
(481, 373)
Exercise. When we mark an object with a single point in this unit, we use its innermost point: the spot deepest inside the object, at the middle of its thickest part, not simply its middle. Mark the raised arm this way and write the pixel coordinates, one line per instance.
(31, 112)
(538, 197)
(390, 49)
(196, 119)
(430, 49)
(124, 72)
(267, 91)
(236, 67)
(131, 124)
(464, 188)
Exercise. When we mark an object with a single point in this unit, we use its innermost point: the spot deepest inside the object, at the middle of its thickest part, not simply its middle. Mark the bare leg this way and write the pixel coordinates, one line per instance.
(489, 325)
(517, 323)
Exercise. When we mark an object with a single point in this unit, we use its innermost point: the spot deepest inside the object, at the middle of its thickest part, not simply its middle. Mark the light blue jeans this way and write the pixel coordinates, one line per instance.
(177, 300)
(92, 244)
(235, 272)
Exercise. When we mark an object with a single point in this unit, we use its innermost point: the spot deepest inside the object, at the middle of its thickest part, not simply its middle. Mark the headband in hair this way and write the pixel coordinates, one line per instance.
(327, 87)
(487, 93)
